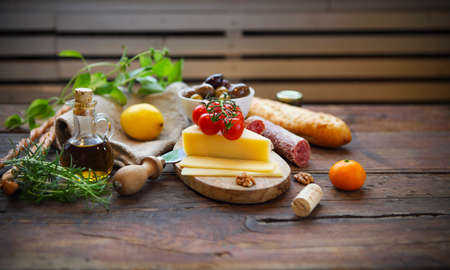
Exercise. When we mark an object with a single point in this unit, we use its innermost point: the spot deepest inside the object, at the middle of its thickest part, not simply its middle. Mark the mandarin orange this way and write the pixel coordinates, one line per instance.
(347, 175)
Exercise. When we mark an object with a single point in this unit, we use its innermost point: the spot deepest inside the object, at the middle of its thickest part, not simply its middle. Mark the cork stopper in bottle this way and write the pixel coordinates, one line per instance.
(83, 95)
(83, 101)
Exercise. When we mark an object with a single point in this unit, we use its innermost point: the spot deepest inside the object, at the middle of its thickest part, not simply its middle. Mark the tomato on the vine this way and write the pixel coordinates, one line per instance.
(240, 115)
(197, 112)
(207, 126)
(236, 129)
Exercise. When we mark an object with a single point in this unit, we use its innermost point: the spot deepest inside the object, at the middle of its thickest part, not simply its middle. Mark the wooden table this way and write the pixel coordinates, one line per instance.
(399, 219)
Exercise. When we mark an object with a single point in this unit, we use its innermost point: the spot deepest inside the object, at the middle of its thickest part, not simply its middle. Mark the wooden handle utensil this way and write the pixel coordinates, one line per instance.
(130, 179)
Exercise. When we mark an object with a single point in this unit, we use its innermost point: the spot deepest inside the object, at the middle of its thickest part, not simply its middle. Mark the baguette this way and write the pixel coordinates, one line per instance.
(318, 128)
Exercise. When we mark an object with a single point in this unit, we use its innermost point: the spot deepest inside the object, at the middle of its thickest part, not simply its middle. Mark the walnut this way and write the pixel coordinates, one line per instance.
(304, 178)
(245, 180)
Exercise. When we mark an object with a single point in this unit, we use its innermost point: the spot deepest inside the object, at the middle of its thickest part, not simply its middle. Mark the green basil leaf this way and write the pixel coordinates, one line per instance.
(49, 112)
(83, 80)
(150, 88)
(146, 79)
(37, 108)
(176, 74)
(120, 78)
(13, 121)
(163, 68)
(118, 96)
(145, 60)
(136, 72)
(140, 72)
(157, 55)
(104, 89)
(70, 54)
(31, 123)
(97, 79)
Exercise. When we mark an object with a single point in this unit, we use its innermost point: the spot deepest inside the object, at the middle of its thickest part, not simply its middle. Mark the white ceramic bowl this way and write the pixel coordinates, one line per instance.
(189, 104)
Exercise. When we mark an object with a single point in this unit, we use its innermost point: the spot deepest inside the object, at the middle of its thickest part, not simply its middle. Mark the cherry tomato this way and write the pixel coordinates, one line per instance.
(240, 115)
(197, 112)
(235, 131)
(207, 126)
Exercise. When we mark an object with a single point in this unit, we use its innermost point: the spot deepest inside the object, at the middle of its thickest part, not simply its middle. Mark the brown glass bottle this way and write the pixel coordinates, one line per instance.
(97, 157)
(87, 149)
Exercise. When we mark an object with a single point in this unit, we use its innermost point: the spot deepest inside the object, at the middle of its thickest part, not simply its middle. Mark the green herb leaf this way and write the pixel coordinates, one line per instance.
(31, 123)
(40, 179)
(118, 96)
(176, 74)
(13, 121)
(121, 78)
(37, 108)
(147, 79)
(145, 60)
(150, 88)
(104, 89)
(48, 113)
(70, 54)
(140, 72)
(97, 79)
(83, 80)
(163, 68)
(136, 72)
(156, 55)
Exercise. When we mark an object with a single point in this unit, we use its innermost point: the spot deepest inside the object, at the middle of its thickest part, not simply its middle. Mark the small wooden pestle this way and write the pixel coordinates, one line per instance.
(130, 179)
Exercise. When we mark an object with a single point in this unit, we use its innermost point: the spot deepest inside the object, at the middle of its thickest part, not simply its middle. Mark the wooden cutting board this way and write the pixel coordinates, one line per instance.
(225, 189)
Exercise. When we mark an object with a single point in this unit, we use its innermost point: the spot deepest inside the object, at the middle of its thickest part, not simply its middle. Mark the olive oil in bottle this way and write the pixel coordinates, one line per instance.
(87, 149)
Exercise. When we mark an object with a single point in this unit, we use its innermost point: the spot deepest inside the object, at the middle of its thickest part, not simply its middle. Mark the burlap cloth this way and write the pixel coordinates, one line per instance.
(126, 150)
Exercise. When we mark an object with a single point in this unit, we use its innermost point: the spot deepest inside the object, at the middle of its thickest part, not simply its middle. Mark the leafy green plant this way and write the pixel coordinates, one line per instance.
(40, 179)
(156, 71)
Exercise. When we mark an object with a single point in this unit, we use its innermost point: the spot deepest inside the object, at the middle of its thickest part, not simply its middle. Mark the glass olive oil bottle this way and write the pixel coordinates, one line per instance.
(87, 149)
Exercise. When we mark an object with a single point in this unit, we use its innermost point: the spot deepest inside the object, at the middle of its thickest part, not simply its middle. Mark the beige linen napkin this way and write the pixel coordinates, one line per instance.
(127, 150)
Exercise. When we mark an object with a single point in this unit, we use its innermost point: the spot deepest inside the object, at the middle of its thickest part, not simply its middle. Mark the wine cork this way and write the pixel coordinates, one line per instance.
(83, 95)
(307, 200)
(83, 101)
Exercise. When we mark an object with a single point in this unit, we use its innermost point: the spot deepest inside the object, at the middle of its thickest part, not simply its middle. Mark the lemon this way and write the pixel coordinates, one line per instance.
(142, 121)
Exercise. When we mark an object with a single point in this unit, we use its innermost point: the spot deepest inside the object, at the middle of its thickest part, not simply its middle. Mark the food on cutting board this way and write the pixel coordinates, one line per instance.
(250, 146)
(226, 163)
(245, 180)
(347, 175)
(142, 121)
(211, 151)
(305, 202)
(215, 86)
(318, 128)
(285, 143)
(215, 116)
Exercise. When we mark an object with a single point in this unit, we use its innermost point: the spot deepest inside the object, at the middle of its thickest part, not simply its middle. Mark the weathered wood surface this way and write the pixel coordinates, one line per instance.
(399, 219)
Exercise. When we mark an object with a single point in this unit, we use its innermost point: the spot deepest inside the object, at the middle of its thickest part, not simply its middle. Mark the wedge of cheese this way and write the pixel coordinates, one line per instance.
(276, 172)
(250, 146)
(227, 164)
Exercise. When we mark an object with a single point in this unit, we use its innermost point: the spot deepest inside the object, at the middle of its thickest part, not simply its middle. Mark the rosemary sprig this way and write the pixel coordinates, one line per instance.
(40, 179)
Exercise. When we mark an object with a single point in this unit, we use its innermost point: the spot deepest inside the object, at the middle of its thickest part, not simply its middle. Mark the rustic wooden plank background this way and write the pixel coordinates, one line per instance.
(333, 51)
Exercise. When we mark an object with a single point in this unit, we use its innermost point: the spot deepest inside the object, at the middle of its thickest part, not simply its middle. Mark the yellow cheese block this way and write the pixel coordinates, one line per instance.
(276, 172)
(250, 146)
(228, 164)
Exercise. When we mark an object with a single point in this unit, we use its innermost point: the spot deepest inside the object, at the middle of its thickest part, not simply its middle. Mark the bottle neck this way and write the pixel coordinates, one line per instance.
(84, 125)
(84, 121)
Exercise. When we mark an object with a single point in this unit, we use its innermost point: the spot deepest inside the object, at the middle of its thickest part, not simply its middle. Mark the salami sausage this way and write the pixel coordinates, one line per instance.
(286, 143)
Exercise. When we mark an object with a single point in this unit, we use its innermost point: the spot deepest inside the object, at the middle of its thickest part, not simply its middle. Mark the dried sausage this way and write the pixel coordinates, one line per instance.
(286, 143)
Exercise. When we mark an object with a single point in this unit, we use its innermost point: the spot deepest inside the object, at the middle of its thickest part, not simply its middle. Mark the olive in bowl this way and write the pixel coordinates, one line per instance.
(188, 104)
